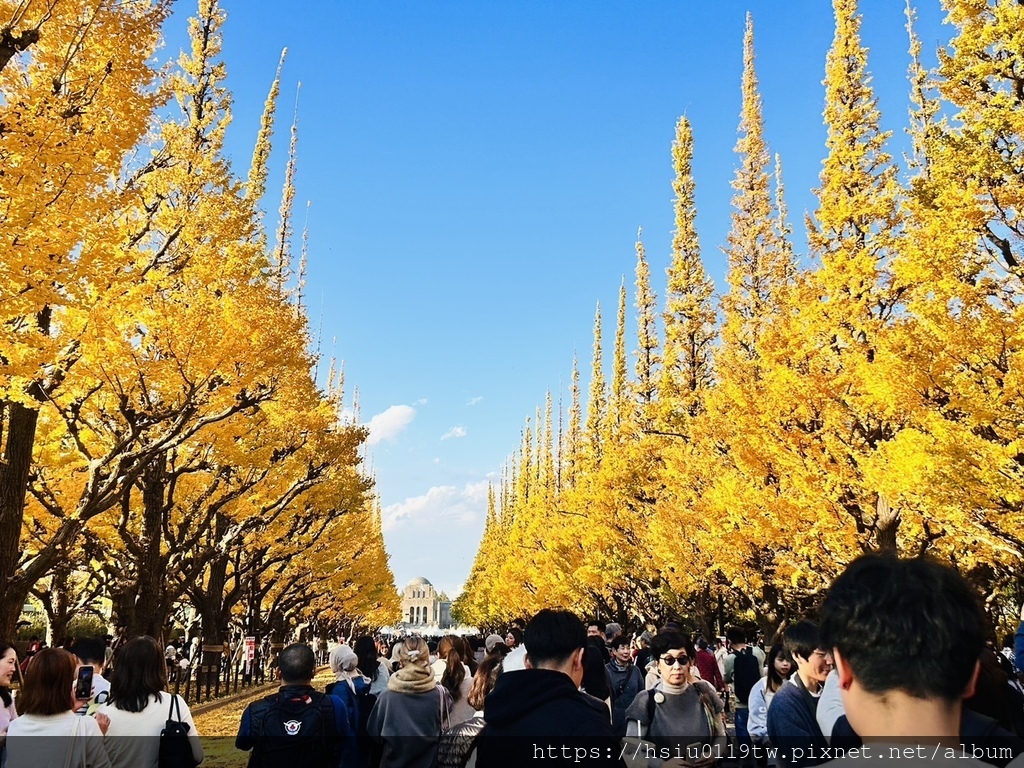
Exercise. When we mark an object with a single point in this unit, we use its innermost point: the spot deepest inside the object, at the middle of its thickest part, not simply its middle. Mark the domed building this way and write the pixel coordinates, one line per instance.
(422, 606)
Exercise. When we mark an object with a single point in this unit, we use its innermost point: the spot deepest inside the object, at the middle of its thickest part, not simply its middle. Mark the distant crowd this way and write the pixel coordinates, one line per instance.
(896, 665)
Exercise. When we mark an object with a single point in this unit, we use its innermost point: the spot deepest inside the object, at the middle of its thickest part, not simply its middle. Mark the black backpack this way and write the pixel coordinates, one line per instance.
(369, 751)
(297, 729)
(746, 672)
(175, 749)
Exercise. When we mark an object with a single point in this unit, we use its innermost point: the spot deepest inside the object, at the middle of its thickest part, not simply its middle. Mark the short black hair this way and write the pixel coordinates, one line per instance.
(736, 634)
(618, 641)
(801, 639)
(553, 636)
(910, 625)
(297, 663)
(90, 650)
(597, 623)
(670, 641)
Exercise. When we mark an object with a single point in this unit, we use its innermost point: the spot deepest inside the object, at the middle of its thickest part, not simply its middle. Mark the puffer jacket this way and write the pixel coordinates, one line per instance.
(458, 742)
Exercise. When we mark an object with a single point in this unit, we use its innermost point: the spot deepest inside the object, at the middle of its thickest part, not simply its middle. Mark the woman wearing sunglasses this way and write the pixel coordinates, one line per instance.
(678, 723)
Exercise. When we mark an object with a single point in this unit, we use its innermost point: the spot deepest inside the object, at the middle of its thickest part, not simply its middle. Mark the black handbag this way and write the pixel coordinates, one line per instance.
(175, 748)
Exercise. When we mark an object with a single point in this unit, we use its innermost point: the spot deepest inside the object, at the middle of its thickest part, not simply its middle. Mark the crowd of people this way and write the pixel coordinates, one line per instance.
(114, 722)
(895, 665)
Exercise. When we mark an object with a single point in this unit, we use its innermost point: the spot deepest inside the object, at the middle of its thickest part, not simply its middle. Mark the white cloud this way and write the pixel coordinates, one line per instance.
(475, 401)
(440, 505)
(421, 401)
(389, 424)
(454, 432)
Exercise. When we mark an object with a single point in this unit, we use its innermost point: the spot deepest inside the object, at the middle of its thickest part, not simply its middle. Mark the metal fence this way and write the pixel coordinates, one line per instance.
(202, 683)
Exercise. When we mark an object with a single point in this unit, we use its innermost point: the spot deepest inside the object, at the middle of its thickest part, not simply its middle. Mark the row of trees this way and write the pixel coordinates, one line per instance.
(868, 397)
(163, 439)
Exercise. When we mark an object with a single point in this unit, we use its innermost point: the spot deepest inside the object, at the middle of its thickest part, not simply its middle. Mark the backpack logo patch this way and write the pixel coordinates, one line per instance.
(291, 727)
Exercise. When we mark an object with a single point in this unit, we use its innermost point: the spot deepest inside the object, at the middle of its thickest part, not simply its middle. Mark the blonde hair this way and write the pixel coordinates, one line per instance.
(414, 650)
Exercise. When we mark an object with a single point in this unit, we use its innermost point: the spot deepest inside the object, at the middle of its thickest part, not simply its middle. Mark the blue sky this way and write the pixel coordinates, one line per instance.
(478, 172)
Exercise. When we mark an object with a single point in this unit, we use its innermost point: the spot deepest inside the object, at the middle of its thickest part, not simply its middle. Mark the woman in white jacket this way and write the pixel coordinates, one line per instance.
(779, 670)
(139, 706)
(48, 707)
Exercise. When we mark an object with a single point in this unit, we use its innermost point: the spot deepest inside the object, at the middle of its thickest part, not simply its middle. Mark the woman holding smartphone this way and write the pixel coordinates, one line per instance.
(139, 706)
(48, 707)
(681, 717)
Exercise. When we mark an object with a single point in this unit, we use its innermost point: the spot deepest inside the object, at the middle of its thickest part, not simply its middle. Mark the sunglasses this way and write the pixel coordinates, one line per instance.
(671, 661)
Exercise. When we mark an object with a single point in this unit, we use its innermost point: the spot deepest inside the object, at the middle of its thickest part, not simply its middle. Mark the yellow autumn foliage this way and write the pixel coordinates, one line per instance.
(868, 399)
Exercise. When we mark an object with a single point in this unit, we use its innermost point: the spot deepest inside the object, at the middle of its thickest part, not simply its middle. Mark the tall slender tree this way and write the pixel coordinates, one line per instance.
(647, 351)
(689, 317)
(597, 400)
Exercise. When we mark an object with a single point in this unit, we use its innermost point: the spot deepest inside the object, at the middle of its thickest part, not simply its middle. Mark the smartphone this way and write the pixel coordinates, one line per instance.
(694, 751)
(83, 683)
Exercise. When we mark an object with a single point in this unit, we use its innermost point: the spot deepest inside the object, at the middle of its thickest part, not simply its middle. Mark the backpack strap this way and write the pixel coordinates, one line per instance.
(330, 733)
(650, 707)
(620, 688)
(174, 711)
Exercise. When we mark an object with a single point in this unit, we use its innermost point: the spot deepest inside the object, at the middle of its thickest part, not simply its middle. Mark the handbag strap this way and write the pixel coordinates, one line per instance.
(445, 710)
(705, 690)
(72, 738)
(174, 711)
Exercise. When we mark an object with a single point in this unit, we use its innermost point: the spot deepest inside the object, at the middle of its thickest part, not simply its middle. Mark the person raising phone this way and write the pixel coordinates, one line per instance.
(47, 708)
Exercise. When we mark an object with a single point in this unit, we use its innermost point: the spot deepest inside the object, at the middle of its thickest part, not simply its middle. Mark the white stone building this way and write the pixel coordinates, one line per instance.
(423, 607)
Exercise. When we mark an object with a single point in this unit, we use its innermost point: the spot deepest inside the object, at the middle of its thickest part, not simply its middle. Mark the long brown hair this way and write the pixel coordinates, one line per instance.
(466, 650)
(48, 683)
(140, 672)
(454, 672)
(484, 680)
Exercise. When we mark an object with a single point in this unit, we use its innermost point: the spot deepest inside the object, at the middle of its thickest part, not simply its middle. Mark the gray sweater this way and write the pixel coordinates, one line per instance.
(408, 725)
(678, 721)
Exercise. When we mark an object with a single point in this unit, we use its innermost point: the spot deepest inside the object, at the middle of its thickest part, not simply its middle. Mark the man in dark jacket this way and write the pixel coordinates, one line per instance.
(539, 713)
(298, 725)
(626, 682)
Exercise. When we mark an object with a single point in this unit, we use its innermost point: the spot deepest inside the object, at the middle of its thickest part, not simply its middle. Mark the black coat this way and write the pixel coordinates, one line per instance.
(539, 714)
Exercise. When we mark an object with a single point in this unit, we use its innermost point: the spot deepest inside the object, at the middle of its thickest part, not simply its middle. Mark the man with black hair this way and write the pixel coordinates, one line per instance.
(538, 713)
(707, 665)
(298, 725)
(91, 651)
(626, 682)
(792, 721)
(743, 668)
(906, 637)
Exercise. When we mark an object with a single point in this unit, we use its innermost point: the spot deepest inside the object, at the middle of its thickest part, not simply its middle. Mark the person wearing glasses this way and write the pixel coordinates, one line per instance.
(792, 717)
(677, 723)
